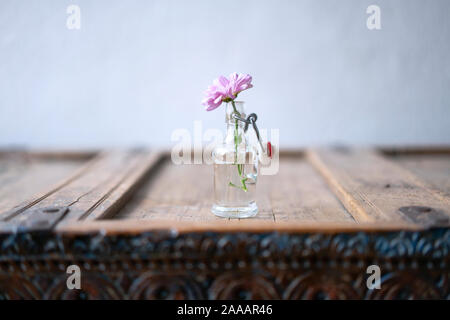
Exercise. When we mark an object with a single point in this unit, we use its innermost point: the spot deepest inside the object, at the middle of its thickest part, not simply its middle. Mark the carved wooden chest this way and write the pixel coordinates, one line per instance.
(139, 227)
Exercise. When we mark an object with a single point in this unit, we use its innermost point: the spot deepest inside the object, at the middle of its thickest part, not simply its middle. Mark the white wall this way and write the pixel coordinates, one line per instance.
(137, 69)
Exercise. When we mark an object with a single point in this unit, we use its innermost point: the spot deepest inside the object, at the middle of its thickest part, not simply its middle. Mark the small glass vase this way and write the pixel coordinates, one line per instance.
(235, 169)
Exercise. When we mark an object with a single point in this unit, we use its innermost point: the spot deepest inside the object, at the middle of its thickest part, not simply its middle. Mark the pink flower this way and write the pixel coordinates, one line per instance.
(239, 82)
(226, 89)
(216, 93)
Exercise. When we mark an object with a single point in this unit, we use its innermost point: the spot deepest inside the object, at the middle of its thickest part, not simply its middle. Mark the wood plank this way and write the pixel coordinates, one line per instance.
(185, 194)
(373, 188)
(50, 155)
(433, 169)
(37, 219)
(299, 193)
(135, 226)
(121, 192)
(22, 176)
(416, 150)
(48, 191)
(174, 192)
(112, 174)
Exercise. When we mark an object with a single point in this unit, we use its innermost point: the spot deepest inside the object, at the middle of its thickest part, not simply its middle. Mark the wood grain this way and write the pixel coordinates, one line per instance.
(127, 184)
(23, 177)
(373, 188)
(132, 226)
(298, 192)
(176, 192)
(432, 169)
(98, 189)
(332, 187)
(185, 193)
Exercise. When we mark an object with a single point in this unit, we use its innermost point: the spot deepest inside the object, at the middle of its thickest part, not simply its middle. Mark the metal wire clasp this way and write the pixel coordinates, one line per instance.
(251, 119)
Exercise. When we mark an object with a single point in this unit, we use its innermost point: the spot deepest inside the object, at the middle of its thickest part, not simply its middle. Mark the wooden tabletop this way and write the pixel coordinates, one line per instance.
(329, 190)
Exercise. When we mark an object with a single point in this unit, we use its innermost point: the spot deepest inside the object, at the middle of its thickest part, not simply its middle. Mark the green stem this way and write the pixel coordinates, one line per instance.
(236, 134)
(240, 167)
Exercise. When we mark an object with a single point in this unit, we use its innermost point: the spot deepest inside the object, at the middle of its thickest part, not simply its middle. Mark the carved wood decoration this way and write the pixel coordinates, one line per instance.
(162, 265)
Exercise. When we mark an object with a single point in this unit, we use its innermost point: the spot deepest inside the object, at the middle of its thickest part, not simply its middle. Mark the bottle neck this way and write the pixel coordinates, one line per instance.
(232, 108)
(234, 126)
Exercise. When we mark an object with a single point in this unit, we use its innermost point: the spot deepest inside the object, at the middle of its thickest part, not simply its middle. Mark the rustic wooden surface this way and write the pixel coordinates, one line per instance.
(373, 188)
(434, 170)
(185, 193)
(141, 227)
(23, 176)
(322, 187)
(100, 186)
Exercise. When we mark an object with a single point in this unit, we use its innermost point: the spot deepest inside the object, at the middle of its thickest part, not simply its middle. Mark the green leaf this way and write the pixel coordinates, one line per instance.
(244, 187)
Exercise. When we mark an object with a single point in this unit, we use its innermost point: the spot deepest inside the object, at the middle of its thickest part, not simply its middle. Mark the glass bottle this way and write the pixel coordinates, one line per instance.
(235, 169)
